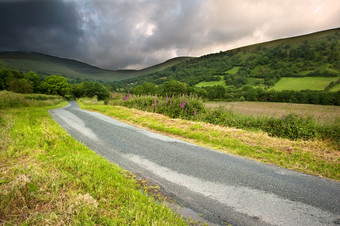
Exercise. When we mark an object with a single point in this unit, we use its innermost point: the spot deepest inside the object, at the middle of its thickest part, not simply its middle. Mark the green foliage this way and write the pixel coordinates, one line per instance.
(55, 85)
(147, 88)
(90, 89)
(10, 99)
(20, 86)
(314, 55)
(173, 87)
(181, 106)
(290, 126)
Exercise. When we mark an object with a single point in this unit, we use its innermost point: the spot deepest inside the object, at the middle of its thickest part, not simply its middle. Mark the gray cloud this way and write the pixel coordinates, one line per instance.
(140, 33)
(47, 26)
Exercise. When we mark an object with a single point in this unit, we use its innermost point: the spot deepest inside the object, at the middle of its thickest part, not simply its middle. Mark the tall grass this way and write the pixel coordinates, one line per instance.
(291, 126)
(10, 99)
(182, 106)
(47, 178)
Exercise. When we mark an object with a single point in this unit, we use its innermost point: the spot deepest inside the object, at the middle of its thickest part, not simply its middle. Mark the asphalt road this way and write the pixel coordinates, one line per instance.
(221, 187)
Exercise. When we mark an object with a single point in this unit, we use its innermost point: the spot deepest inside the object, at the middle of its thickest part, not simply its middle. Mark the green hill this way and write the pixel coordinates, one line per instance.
(46, 65)
(261, 65)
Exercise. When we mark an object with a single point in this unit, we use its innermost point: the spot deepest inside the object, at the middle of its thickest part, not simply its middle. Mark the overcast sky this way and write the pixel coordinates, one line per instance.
(135, 34)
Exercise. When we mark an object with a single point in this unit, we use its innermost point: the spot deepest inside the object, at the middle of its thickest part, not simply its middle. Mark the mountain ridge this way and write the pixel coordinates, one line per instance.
(45, 64)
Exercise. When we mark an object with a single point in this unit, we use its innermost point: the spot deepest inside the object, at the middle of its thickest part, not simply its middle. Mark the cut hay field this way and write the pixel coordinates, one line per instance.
(311, 83)
(321, 113)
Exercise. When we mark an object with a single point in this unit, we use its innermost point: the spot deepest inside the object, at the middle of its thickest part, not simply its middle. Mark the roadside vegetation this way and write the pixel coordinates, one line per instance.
(47, 177)
(291, 126)
(314, 156)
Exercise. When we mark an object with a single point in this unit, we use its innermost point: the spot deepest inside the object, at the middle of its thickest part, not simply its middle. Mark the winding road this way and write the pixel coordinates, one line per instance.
(222, 188)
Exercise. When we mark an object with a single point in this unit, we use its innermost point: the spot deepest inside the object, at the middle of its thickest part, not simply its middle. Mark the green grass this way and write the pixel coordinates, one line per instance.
(10, 99)
(311, 83)
(335, 88)
(233, 71)
(47, 178)
(212, 83)
(314, 156)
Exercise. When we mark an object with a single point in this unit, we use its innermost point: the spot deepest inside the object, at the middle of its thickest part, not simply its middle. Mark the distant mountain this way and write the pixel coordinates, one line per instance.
(259, 65)
(46, 65)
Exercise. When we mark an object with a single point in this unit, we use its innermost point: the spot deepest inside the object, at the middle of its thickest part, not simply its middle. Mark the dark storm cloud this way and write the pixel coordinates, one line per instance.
(48, 26)
(140, 33)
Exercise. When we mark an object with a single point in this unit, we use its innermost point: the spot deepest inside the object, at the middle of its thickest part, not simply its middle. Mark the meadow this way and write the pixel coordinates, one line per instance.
(212, 83)
(304, 83)
(324, 114)
(335, 88)
(48, 178)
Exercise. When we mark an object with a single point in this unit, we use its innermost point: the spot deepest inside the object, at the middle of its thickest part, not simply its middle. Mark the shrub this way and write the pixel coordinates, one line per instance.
(186, 107)
(290, 126)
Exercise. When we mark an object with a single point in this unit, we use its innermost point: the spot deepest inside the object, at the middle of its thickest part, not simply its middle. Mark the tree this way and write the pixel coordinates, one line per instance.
(55, 85)
(77, 90)
(173, 87)
(20, 86)
(90, 89)
(139, 90)
(34, 79)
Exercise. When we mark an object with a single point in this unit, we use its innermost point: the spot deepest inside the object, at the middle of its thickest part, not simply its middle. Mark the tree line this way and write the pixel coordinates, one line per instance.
(31, 82)
(247, 93)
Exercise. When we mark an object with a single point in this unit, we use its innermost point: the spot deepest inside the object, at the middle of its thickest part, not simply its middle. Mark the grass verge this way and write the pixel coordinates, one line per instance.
(315, 157)
(47, 177)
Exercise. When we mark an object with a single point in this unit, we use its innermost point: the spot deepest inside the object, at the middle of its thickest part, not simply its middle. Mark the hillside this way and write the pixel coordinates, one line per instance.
(46, 65)
(315, 55)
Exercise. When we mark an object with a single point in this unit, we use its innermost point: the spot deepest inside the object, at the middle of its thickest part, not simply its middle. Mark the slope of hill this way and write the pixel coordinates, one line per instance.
(259, 65)
(46, 65)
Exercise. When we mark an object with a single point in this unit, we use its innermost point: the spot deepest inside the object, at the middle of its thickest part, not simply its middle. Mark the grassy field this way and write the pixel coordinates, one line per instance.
(311, 83)
(48, 178)
(335, 88)
(212, 83)
(321, 113)
(233, 71)
(313, 156)
(10, 99)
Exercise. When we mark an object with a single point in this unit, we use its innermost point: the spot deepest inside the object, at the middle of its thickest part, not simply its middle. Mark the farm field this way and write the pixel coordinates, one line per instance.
(212, 83)
(233, 71)
(335, 88)
(324, 114)
(311, 83)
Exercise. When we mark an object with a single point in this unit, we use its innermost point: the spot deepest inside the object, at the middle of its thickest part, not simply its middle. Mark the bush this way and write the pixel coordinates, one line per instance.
(290, 126)
(186, 107)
